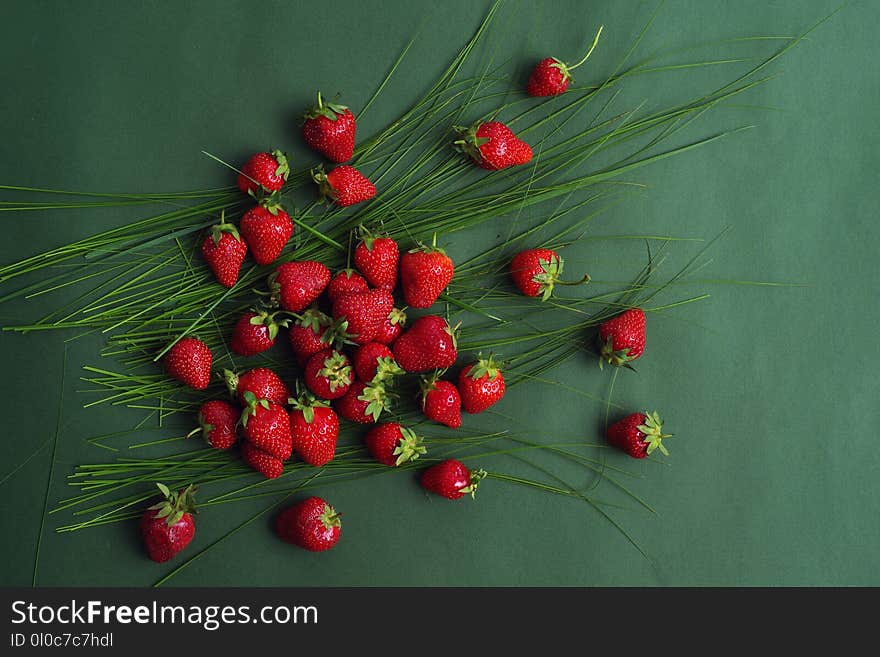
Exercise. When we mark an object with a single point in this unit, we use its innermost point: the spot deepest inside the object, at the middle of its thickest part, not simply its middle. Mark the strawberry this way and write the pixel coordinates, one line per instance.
(268, 171)
(376, 258)
(451, 479)
(266, 426)
(261, 382)
(255, 332)
(266, 228)
(189, 361)
(391, 327)
(361, 314)
(344, 185)
(312, 524)
(392, 444)
(363, 403)
(536, 271)
(217, 422)
(295, 285)
(314, 428)
(424, 273)
(266, 464)
(622, 339)
(481, 385)
(168, 526)
(224, 251)
(441, 402)
(638, 434)
(329, 128)
(375, 362)
(346, 281)
(428, 344)
(328, 374)
(309, 334)
(493, 145)
(550, 77)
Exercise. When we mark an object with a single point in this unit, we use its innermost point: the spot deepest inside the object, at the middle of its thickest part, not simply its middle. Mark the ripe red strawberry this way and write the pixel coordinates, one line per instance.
(266, 228)
(363, 403)
(266, 464)
(360, 315)
(424, 273)
(346, 281)
(255, 332)
(168, 526)
(217, 422)
(268, 171)
(224, 251)
(312, 524)
(481, 385)
(428, 344)
(441, 402)
(266, 426)
(536, 271)
(376, 258)
(493, 145)
(314, 428)
(638, 434)
(329, 128)
(451, 479)
(310, 333)
(622, 339)
(391, 327)
(344, 185)
(375, 362)
(551, 76)
(189, 361)
(261, 382)
(392, 444)
(295, 285)
(328, 374)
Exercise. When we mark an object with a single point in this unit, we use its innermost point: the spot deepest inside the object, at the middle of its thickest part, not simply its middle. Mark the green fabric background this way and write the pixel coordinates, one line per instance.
(772, 392)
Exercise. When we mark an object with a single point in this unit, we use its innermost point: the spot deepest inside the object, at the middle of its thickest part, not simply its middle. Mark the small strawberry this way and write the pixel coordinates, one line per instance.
(295, 285)
(189, 361)
(312, 524)
(536, 271)
(551, 76)
(428, 344)
(255, 332)
(329, 128)
(224, 251)
(441, 402)
(391, 327)
(266, 228)
(622, 339)
(328, 374)
(376, 258)
(424, 273)
(481, 385)
(268, 171)
(361, 314)
(314, 428)
(261, 382)
(375, 362)
(493, 145)
(451, 479)
(310, 333)
(168, 527)
(266, 464)
(392, 444)
(363, 403)
(638, 434)
(346, 281)
(266, 426)
(344, 185)
(217, 422)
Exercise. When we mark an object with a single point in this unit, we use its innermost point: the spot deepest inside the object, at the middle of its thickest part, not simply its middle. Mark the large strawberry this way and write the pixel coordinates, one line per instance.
(622, 339)
(329, 128)
(268, 171)
(493, 145)
(168, 526)
(328, 374)
(217, 422)
(255, 332)
(551, 76)
(424, 273)
(266, 228)
(536, 271)
(224, 251)
(376, 257)
(261, 382)
(344, 185)
(363, 403)
(311, 524)
(361, 314)
(346, 281)
(189, 361)
(481, 385)
(264, 463)
(314, 428)
(310, 333)
(638, 434)
(375, 362)
(451, 479)
(392, 327)
(392, 444)
(428, 344)
(295, 285)
(266, 426)
(441, 402)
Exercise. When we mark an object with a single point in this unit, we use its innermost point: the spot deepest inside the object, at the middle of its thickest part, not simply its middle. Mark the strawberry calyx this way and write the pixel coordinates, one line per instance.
(326, 109)
(175, 504)
(485, 367)
(271, 202)
(217, 230)
(653, 432)
(551, 271)
(476, 478)
(468, 142)
(377, 400)
(314, 319)
(566, 69)
(329, 518)
(230, 378)
(283, 169)
(607, 354)
(267, 319)
(386, 368)
(336, 370)
(251, 405)
(368, 237)
(428, 384)
(307, 403)
(409, 447)
(324, 187)
(397, 316)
